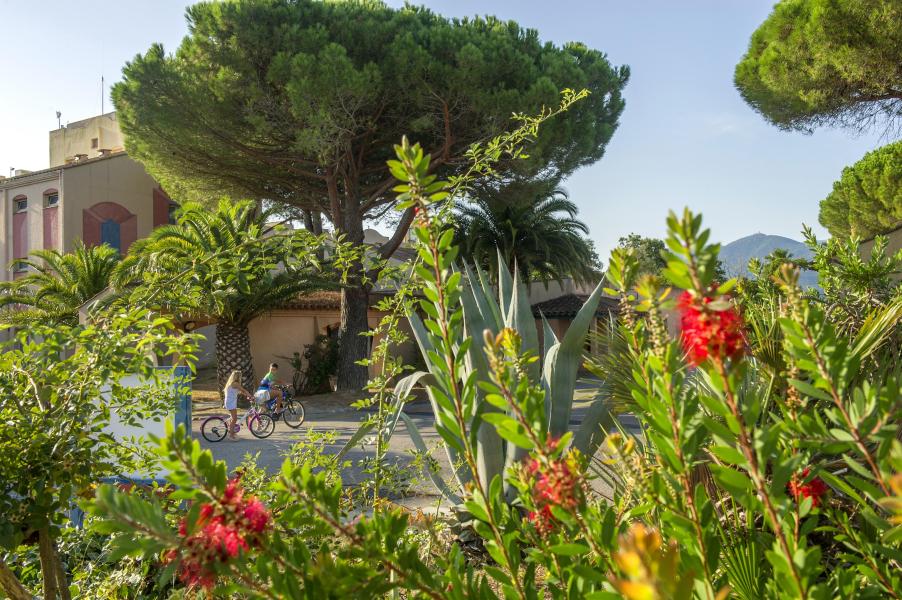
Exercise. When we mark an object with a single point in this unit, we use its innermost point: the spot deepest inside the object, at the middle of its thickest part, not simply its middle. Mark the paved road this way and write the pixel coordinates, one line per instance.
(344, 422)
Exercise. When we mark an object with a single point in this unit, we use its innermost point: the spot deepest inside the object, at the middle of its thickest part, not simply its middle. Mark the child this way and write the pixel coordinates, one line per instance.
(266, 386)
(232, 389)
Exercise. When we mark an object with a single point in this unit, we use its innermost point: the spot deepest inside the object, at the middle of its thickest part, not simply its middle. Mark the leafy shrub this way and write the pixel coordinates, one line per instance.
(782, 482)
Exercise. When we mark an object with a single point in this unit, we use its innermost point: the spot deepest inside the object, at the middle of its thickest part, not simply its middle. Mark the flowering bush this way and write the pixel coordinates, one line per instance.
(754, 480)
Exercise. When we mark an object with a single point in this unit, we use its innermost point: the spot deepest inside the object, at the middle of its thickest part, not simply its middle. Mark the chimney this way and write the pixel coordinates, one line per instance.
(80, 157)
(19, 172)
(104, 152)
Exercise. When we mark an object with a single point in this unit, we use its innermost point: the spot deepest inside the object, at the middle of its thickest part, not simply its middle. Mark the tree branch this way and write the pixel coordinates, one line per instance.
(389, 247)
(10, 584)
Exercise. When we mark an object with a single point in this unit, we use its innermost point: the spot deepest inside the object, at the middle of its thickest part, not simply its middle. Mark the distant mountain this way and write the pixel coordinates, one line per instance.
(735, 256)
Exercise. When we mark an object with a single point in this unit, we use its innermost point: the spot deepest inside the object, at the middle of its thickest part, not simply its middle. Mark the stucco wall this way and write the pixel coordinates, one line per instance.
(76, 138)
(282, 333)
(894, 244)
(33, 188)
(118, 180)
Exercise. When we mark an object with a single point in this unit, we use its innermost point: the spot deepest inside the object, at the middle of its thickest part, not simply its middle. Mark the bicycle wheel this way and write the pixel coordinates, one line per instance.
(214, 429)
(293, 415)
(262, 426)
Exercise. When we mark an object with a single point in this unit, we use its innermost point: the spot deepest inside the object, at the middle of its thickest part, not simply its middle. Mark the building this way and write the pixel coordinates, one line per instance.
(92, 191)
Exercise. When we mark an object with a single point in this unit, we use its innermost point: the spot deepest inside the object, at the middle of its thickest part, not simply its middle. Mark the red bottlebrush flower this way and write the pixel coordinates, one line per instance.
(557, 485)
(543, 519)
(224, 530)
(556, 482)
(233, 492)
(224, 539)
(814, 489)
(256, 515)
(709, 333)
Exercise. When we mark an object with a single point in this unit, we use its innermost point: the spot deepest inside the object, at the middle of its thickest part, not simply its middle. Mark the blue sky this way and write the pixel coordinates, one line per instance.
(686, 137)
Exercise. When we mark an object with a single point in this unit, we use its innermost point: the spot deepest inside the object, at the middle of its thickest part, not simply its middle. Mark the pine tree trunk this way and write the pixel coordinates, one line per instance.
(352, 346)
(233, 353)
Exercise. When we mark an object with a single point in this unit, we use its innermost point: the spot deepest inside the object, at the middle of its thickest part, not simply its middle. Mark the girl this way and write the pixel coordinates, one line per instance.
(231, 391)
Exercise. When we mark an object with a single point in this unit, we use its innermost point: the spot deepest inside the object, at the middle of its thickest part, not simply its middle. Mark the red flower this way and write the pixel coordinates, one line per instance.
(556, 482)
(256, 515)
(224, 539)
(543, 519)
(814, 489)
(709, 333)
(225, 529)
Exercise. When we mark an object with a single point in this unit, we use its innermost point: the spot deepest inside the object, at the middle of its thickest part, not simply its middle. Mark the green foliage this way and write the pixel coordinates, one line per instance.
(826, 62)
(225, 266)
(299, 102)
(299, 86)
(533, 226)
(867, 200)
(229, 264)
(58, 390)
(770, 484)
(57, 285)
(649, 252)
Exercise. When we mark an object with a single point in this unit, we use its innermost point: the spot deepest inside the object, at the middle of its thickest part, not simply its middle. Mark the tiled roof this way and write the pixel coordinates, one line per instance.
(568, 305)
(325, 300)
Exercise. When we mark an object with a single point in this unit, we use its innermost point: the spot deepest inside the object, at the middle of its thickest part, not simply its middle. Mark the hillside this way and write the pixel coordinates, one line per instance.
(736, 255)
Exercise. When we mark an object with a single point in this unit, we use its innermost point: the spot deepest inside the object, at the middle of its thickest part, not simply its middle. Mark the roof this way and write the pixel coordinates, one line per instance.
(17, 178)
(326, 300)
(568, 305)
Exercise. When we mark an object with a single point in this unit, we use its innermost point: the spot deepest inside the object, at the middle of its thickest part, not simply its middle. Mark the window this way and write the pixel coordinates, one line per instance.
(20, 266)
(171, 214)
(94, 143)
(21, 204)
(51, 200)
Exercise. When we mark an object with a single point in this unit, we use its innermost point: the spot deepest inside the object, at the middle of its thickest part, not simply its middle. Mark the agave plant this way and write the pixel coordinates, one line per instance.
(556, 371)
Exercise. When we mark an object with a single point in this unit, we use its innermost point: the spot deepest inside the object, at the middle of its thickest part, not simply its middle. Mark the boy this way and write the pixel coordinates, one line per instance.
(266, 385)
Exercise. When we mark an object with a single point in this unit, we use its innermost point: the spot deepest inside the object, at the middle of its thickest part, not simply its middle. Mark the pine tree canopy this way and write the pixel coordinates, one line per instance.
(867, 199)
(826, 62)
(301, 101)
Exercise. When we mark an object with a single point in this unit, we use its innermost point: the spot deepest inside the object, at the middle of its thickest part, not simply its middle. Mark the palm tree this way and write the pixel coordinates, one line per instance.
(57, 285)
(224, 265)
(533, 226)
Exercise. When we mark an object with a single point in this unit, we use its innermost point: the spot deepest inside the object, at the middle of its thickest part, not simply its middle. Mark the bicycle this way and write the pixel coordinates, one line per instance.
(260, 424)
(292, 413)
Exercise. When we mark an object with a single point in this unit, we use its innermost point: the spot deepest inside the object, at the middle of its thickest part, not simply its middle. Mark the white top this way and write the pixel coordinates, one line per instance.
(231, 398)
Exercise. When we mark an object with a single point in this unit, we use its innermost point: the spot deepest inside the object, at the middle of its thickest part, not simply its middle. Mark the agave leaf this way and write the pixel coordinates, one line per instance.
(879, 326)
(399, 396)
(421, 336)
(505, 287)
(484, 297)
(355, 439)
(519, 317)
(417, 440)
(562, 364)
(595, 426)
(549, 339)
(490, 448)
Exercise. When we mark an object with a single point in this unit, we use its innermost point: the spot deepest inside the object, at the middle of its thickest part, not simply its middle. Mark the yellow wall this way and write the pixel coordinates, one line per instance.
(282, 333)
(76, 138)
(118, 179)
(894, 244)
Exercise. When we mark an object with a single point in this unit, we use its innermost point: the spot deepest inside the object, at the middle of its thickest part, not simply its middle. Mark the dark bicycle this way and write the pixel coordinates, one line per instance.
(292, 410)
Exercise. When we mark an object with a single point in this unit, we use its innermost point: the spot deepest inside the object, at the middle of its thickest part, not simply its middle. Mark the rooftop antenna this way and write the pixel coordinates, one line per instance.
(59, 123)
(102, 93)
